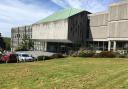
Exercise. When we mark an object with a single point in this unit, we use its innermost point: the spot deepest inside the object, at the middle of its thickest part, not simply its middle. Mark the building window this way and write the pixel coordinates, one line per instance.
(15, 36)
(18, 35)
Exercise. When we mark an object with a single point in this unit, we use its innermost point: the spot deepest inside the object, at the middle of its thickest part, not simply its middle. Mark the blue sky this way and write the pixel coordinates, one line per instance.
(15, 13)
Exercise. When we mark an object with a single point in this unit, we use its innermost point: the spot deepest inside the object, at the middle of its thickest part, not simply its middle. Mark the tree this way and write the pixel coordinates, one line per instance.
(7, 41)
(27, 44)
(2, 43)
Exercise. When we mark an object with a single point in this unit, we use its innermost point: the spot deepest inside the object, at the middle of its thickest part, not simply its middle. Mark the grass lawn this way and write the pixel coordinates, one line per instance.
(67, 73)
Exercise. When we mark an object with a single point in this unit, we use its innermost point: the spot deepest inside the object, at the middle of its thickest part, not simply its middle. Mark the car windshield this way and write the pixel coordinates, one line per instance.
(25, 55)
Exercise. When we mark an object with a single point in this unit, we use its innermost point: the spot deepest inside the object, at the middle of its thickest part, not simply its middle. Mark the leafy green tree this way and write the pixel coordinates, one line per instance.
(27, 44)
(2, 43)
(7, 41)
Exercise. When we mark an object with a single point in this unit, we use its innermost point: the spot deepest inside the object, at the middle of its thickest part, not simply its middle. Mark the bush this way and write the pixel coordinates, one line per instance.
(118, 55)
(75, 54)
(57, 56)
(105, 54)
(41, 58)
(86, 53)
(122, 56)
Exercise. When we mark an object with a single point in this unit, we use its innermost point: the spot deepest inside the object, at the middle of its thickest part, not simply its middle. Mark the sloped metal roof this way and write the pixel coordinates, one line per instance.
(63, 14)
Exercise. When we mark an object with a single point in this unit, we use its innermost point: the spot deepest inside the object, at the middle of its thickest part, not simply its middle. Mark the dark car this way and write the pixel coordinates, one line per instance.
(0, 58)
(9, 58)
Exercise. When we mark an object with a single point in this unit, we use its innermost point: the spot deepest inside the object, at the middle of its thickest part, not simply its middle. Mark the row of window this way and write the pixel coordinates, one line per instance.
(40, 46)
(21, 35)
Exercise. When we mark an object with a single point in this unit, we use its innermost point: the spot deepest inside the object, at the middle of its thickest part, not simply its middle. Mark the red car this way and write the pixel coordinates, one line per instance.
(9, 58)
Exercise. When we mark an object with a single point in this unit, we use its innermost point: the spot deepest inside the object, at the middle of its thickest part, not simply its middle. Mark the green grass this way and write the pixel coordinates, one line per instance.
(67, 73)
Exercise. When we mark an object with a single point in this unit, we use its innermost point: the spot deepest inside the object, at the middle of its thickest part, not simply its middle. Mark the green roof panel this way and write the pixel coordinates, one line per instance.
(63, 14)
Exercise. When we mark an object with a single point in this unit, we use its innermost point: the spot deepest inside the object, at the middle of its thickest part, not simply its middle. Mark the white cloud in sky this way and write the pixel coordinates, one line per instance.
(61, 3)
(16, 13)
(89, 5)
(67, 3)
(94, 6)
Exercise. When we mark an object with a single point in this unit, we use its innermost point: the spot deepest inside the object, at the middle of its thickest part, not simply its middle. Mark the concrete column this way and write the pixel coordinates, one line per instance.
(109, 45)
(45, 47)
(114, 46)
(103, 46)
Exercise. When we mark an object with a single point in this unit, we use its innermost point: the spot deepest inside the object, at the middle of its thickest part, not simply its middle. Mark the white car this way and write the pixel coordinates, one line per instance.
(24, 57)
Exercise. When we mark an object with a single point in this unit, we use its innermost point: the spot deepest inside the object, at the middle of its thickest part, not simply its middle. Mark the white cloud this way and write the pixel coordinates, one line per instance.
(61, 3)
(15, 13)
(68, 3)
(89, 5)
(75, 3)
(94, 6)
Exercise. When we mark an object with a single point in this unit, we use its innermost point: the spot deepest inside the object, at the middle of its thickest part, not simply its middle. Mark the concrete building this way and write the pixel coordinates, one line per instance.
(109, 29)
(18, 33)
(58, 32)
(69, 28)
(98, 33)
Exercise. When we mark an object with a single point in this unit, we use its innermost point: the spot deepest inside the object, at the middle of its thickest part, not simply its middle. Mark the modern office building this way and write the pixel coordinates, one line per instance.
(71, 28)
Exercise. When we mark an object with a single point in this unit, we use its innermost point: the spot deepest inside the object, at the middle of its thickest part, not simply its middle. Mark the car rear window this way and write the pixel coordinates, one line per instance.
(25, 55)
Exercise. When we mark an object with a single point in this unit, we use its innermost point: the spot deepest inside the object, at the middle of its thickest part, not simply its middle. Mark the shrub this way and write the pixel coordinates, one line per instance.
(122, 56)
(106, 54)
(75, 54)
(58, 55)
(96, 55)
(86, 53)
(118, 55)
(41, 58)
(90, 53)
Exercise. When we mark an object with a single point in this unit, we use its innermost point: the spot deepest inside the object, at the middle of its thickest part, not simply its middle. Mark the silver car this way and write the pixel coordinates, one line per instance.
(24, 57)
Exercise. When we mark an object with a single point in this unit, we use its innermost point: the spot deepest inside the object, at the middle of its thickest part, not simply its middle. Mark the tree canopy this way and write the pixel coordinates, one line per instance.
(2, 43)
(26, 44)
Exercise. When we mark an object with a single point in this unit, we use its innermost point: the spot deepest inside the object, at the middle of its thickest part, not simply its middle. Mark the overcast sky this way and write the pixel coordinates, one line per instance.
(24, 12)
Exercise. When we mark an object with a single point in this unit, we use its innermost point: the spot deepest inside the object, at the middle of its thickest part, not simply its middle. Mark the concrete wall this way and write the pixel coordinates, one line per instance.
(118, 11)
(100, 32)
(18, 33)
(98, 26)
(118, 21)
(118, 29)
(112, 25)
(51, 30)
(14, 39)
(98, 19)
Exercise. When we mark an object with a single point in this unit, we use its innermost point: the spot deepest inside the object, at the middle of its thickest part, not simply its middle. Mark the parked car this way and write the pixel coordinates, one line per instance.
(24, 57)
(0, 57)
(9, 58)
